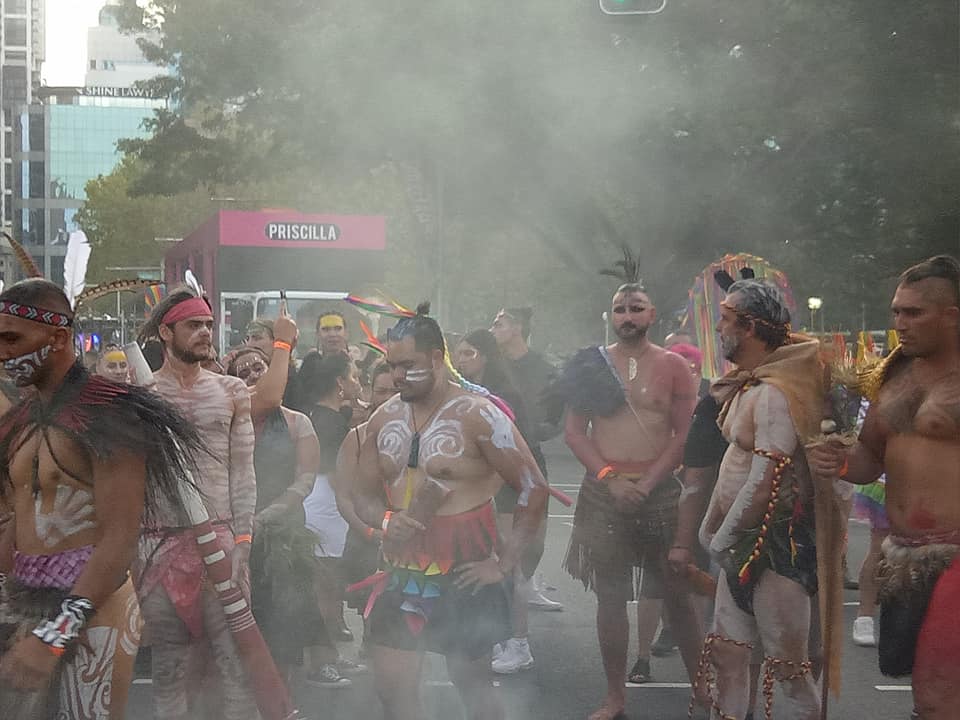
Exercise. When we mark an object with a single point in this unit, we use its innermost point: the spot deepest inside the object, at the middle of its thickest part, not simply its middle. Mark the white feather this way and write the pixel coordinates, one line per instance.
(191, 280)
(75, 266)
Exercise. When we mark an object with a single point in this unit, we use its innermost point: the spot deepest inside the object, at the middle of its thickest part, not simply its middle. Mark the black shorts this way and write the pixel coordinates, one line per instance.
(460, 623)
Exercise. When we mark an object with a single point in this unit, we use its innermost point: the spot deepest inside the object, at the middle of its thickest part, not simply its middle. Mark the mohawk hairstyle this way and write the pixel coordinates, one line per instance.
(939, 267)
(425, 331)
(151, 328)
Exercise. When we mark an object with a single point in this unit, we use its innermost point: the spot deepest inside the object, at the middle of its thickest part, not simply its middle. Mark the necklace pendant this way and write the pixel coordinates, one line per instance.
(632, 369)
(413, 460)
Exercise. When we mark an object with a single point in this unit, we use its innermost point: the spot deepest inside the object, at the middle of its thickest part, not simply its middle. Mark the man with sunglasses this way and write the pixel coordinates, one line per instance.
(628, 411)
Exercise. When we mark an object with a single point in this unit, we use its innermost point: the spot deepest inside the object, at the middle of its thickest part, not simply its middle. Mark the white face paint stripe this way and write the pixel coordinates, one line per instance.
(417, 375)
(215, 557)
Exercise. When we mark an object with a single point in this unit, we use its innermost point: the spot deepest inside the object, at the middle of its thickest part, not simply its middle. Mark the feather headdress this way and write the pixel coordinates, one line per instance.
(626, 270)
(75, 266)
(27, 263)
(112, 286)
(372, 341)
(190, 280)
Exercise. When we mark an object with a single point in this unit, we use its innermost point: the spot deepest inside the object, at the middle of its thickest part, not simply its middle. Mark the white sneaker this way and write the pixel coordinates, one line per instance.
(539, 601)
(863, 632)
(497, 651)
(516, 657)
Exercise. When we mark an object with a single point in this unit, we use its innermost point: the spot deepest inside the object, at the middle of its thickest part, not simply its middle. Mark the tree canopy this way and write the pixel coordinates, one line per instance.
(527, 142)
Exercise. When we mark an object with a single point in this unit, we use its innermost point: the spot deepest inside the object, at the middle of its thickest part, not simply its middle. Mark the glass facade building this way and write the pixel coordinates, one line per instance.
(58, 147)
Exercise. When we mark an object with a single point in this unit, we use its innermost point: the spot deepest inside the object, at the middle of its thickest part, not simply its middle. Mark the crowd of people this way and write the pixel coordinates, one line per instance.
(406, 481)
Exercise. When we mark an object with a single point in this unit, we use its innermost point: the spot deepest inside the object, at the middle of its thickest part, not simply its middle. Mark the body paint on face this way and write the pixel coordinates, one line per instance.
(22, 370)
(417, 375)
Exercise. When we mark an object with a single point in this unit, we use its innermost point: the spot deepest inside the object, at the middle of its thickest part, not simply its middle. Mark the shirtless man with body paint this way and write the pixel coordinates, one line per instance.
(181, 609)
(82, 460)
(443, 590)
(628, 430)
(912, 433)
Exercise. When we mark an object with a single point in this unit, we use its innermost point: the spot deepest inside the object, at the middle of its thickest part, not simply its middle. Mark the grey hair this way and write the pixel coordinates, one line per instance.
(762, 304)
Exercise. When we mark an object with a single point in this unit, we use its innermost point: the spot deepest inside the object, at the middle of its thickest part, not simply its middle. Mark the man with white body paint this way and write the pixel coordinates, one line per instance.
(441, 453)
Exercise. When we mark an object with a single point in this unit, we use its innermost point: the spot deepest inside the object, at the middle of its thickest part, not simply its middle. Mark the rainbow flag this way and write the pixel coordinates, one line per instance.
(152, 295)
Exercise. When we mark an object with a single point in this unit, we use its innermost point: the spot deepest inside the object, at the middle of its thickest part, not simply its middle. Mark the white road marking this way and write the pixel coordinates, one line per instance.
(560, 517)
(850, 604)
(660, 686)
(143, 681)
(565, 485)
(894, 688)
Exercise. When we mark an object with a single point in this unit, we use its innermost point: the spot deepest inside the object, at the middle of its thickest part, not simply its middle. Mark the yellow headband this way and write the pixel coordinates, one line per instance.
(330, 321)
(115, 356)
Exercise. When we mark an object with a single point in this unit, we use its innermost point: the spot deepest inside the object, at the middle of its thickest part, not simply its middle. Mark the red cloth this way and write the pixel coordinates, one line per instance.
(177, 567)
(936, 668)
(450, 540)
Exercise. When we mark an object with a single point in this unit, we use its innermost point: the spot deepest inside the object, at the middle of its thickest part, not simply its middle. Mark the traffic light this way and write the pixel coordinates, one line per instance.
(632, 7)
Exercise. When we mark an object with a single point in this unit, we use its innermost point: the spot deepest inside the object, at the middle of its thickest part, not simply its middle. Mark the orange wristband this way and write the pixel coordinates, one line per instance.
(55, 650)
(245, 538)
(604, 471)
(281, 345)
(845, 470)
(369, 533)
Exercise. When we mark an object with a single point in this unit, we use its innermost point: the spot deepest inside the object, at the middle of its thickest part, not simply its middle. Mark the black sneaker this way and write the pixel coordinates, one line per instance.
(640, 673)
(327, 676)
(664, 644)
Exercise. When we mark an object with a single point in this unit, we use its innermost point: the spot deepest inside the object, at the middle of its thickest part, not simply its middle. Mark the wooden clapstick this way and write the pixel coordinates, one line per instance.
(269, 690)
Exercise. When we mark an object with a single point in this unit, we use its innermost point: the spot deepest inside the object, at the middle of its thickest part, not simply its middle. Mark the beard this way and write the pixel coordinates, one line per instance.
(729, 346)
(188, 355)
(630, 333)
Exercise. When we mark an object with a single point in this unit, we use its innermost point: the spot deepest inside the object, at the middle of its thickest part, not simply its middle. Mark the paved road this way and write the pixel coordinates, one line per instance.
(567, 680)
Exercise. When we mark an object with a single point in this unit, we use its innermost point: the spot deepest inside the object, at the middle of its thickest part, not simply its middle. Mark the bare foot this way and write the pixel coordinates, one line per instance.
(608, 711)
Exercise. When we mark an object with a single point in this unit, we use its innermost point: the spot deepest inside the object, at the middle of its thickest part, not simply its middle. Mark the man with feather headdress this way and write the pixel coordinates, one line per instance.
(82, 460)
(629, 406)
(759, 523)
(179, 607)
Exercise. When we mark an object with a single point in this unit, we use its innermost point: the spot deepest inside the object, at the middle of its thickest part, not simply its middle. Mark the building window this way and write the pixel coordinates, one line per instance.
(36, 180)
(14, 84)
(93, 64)
(15, 31)
(36, 132)
(16, 7)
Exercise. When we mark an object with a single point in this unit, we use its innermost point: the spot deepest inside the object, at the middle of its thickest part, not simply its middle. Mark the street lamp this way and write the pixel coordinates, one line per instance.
(815, 303)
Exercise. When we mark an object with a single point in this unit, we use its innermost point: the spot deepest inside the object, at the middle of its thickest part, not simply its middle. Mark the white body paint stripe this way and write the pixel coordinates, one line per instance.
(236, 607)
(215, 557)
(209, 537)
(225, 585)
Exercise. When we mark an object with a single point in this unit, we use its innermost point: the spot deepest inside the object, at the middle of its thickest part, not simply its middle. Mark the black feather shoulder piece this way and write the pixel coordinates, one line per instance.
(103, 417)
(587, 386)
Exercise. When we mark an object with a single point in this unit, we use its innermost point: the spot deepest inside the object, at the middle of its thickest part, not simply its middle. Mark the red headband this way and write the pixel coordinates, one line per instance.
(194, 307)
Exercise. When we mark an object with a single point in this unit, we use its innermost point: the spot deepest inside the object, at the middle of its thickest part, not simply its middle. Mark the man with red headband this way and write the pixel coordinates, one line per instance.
(82, 461)
(179, 608)
(629, 408)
